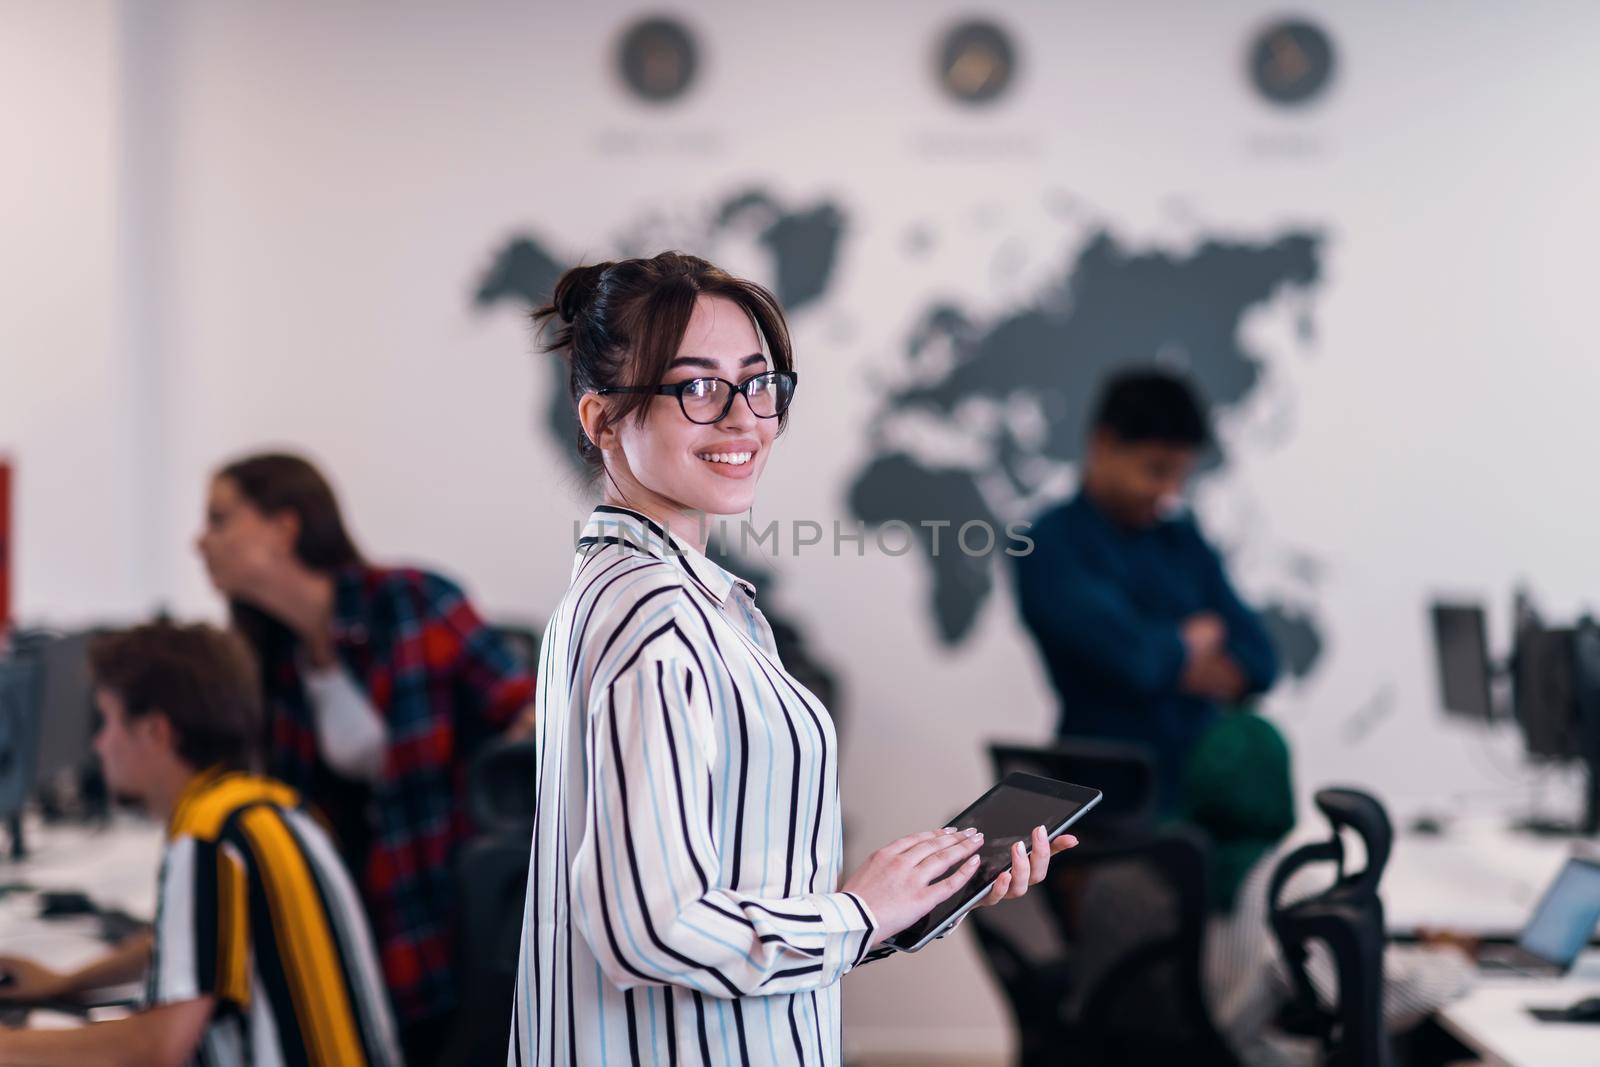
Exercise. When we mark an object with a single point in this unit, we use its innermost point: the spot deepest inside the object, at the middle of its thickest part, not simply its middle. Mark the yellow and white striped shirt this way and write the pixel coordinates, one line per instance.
(257, 910)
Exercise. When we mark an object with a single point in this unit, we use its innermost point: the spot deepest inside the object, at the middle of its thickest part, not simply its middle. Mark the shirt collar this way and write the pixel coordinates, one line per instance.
(610, 524)
(349, 623)
(1103, 517)
(202, 781)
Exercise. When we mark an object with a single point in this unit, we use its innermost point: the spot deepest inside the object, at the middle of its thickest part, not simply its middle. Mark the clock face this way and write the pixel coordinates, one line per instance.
(657, 59)
(1291, 62)
(976, 62)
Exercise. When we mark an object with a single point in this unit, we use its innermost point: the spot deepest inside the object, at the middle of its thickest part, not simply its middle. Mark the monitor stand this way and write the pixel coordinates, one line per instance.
(19, 845)
(1540, 825)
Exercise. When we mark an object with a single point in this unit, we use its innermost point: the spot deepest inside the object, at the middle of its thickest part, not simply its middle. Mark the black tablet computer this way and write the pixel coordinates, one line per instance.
(1005, 814)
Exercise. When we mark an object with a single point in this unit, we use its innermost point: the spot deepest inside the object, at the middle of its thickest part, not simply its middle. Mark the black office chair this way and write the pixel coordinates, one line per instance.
(1024, 952)
(1348, 919)
(1124, 773)
(1117, 981)
(500, 787)
(492, 877)
(524, 640)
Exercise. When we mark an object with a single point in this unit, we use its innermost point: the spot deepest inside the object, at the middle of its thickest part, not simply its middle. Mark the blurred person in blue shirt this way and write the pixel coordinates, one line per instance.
(1140, 629)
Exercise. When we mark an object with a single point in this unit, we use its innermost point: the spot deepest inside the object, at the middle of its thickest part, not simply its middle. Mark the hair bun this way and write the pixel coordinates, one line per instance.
(576, 290)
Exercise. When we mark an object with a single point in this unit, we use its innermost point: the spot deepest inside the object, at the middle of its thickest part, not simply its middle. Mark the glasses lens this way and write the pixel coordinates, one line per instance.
(704, 399)
(769, 393)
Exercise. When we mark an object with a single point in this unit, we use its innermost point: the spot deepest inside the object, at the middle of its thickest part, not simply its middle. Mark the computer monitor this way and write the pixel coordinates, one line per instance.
(1462, 645)
(1543, 693)
(66, 708)
(47, 717)
(20, 685)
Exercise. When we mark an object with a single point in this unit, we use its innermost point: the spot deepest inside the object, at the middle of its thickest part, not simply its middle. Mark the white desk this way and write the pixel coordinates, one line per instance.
(1478, 877)
(1493, 1019)
(115, 867)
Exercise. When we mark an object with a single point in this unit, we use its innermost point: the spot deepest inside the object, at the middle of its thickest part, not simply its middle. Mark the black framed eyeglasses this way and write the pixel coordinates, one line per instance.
(708, 400)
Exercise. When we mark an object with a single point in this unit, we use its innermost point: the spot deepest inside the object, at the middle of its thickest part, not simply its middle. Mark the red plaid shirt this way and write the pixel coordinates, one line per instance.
(442, 680)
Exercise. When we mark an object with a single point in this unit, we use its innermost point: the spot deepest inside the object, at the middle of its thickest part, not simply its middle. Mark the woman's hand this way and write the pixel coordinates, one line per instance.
(22, 979)
(525, 725)
(901, 881)
(1028, 867)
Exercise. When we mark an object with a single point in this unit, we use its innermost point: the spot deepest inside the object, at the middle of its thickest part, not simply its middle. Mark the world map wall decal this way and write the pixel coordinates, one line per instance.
(1023, 376)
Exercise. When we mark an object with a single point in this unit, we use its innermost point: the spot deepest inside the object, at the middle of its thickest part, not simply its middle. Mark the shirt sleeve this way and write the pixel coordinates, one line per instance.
(491, 683)
(1245, 982)
(646, 900)
(1248, 641)
(202, 930)
(1077, 614)
(350, 732)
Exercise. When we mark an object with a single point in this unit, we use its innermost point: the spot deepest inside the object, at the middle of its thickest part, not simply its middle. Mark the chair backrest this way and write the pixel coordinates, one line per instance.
(1125, 986)
(1023, 949)
(492, 878)
(1348, 919)
(523, 640)
(501, 785)
(1124, 773)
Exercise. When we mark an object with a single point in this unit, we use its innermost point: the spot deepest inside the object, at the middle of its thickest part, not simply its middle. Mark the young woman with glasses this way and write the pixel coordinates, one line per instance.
(685, 900)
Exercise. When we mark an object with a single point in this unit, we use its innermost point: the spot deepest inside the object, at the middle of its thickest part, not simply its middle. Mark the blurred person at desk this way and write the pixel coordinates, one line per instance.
(378, 684)
(260, 952)
(1238, 789)
(1140, 629)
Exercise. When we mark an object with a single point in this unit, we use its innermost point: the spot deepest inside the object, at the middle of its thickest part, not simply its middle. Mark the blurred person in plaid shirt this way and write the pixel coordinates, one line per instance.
(379, 683)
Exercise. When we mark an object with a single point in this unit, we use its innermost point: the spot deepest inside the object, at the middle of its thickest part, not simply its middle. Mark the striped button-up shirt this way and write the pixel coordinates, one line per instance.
(682, 901)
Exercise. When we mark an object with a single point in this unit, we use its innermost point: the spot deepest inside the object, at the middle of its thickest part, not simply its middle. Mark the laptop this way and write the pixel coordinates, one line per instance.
(1559, 929)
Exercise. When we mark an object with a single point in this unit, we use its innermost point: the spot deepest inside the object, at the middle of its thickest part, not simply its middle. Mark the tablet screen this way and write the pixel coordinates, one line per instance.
(1005, 814)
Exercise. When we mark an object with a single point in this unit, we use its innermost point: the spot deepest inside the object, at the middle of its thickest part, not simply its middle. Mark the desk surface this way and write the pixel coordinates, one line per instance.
(1493, 1019)
(1478, 877)
(115, 866)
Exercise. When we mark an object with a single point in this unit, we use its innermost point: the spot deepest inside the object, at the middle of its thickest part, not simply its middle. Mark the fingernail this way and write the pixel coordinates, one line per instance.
(1038, 829)
(969, 831)
(948, 830)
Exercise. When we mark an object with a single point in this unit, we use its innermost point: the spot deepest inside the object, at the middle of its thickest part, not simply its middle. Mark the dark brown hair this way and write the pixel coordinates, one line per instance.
(201, 678)
(275, 482)
(623, 321)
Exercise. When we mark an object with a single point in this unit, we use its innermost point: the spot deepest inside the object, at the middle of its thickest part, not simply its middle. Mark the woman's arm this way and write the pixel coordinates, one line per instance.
(644, 875)
(350, 732)
(492, 684)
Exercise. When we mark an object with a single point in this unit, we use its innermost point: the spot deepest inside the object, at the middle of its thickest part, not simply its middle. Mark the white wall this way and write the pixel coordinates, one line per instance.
(67, 414)
(331, 179)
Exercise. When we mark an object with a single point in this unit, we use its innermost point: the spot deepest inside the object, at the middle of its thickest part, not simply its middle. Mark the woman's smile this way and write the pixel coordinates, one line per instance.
(731, 459)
